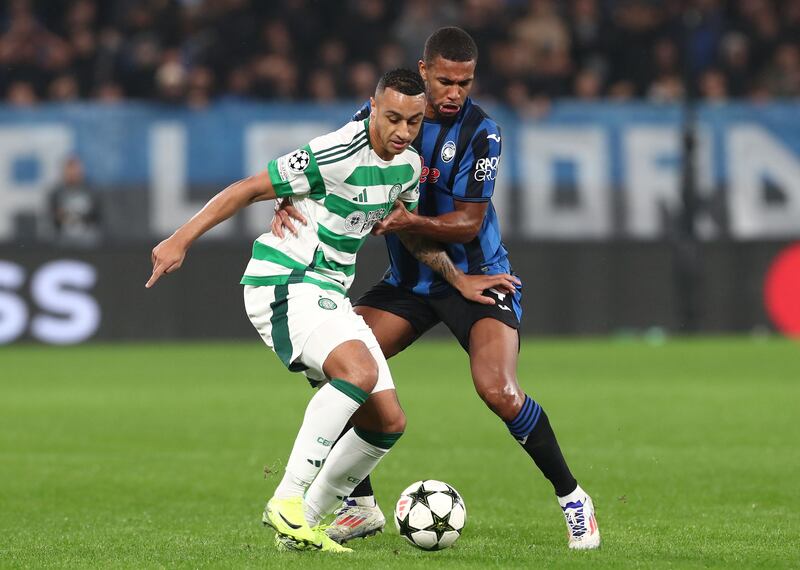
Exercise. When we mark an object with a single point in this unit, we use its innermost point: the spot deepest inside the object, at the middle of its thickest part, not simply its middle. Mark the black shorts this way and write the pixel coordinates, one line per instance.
(458, 314)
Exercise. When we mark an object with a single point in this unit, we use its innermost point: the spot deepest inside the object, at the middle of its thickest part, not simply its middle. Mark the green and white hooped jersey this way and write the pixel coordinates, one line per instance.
(343, 188)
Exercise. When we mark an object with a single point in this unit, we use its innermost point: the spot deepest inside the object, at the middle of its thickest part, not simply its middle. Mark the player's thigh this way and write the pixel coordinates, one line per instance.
(493, 350)
(396, 316)
(489, 334)
(392, 332)
(305, 325)
(381, 413)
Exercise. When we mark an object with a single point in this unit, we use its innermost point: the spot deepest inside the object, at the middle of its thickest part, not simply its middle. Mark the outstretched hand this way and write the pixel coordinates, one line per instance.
(283, 219)
(472, 287)
(167, 257)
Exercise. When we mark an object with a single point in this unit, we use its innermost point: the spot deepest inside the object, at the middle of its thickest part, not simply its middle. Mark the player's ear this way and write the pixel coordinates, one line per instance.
(372, 104)
(422, 70)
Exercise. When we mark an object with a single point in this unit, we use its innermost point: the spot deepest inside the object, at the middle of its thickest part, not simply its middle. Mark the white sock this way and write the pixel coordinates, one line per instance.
(350, 461)
(577, 495)
(326, 415)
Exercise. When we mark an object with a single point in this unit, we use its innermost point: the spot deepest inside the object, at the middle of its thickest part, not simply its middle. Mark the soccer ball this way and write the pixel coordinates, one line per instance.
(430, 514)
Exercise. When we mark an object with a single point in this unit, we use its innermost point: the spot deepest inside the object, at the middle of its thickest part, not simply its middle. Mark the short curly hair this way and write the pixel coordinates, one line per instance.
(401, 80)
(451, 43)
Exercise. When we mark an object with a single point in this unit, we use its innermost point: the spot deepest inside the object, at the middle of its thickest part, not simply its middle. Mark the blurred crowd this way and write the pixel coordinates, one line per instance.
(195, 52)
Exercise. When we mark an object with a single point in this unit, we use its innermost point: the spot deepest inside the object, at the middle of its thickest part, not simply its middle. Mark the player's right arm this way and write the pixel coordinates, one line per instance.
(168, 255)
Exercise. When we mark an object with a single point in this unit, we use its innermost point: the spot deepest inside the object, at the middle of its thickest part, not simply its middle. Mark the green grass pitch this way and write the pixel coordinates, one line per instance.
(162, 455)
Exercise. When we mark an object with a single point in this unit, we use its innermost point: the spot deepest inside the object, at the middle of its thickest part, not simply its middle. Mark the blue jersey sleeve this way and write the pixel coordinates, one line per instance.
(362, 113)
(477, 171)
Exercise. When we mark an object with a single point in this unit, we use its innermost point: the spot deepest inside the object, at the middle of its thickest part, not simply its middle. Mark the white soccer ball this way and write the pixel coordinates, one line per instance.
(430, 514)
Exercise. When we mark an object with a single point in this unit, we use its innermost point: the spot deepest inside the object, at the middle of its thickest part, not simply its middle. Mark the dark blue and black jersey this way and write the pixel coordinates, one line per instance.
(460, 158)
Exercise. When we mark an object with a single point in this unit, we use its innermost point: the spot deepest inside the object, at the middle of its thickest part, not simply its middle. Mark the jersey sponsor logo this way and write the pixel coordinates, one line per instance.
(328, 305)
(373, 217)
(486, 168)
(359, 221)
(298, 160)
(448, 151)
(354, 220)
(493, 136)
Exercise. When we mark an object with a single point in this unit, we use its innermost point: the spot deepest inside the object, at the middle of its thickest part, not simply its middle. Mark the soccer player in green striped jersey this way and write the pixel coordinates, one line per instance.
(295, 288)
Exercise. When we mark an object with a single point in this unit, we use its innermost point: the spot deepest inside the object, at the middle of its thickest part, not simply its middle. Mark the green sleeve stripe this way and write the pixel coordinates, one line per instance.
(315, 182)
(282, 187)
(320, 261)
(340, 148)
(271, 280)
(350, 390)
(410, 206)
(341, 157)
(342, 243)
(343, 207)
(377, 176)
(263, 252)
(281, 339)
(382, 440)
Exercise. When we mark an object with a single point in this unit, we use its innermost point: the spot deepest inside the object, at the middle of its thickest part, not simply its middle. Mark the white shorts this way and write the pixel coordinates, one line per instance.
(302, 324)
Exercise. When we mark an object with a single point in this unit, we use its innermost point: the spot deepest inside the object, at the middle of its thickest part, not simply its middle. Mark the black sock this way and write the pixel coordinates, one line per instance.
(363, 489)
(531, 428)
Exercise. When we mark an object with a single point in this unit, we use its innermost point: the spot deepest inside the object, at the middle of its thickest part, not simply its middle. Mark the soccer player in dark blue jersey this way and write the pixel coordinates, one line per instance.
(460, 148)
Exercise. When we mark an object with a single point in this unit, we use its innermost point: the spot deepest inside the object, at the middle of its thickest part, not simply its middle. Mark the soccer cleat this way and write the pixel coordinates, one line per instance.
(325, 544)
(357, 518)
(287, 518)
(582, 529)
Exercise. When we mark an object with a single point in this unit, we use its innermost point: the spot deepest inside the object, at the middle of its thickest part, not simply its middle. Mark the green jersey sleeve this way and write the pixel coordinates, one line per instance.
(296, 174)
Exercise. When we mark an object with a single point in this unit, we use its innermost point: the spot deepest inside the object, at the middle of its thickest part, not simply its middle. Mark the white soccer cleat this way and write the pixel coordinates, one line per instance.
(582, 529)
(358, 517)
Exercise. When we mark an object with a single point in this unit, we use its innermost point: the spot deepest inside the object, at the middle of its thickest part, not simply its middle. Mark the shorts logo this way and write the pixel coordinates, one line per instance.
(326, 304)
(354, 220)
(448, 151)
(394, 192)
(298, 161)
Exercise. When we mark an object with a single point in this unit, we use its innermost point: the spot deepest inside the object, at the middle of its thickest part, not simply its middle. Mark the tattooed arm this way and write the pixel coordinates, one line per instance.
(471, 287)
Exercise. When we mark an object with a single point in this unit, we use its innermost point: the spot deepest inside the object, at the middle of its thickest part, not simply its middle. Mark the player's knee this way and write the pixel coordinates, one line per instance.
(353, 362)
(503, 398)
(396, 423)
(363, 372)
